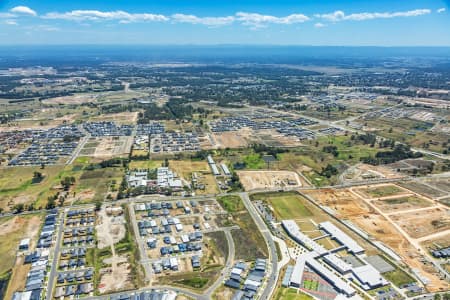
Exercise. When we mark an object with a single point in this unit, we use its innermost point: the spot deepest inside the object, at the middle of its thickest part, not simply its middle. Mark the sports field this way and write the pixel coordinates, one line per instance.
(286, 205)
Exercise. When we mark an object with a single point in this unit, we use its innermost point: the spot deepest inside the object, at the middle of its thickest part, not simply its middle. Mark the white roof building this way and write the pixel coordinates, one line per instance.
(342, 237)
(293, 230)
(369, 277)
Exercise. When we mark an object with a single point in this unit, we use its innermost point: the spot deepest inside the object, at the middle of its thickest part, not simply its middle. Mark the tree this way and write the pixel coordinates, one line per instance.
(98, 205)
(18, 208)
(67, 182)
(329, 171)
(37, 177)
(437, 296)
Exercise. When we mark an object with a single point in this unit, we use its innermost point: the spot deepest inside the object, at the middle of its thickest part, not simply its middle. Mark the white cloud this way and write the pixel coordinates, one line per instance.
(257, 20)
(441, 10)
(10, 22)
(25, 10)
(209, 21)
(319, 25)
(96, 15)
(6, 15)
(341, 16)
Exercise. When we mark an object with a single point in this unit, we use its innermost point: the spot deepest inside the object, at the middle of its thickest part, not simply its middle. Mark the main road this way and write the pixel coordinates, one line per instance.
(53, 269)
(273, 256)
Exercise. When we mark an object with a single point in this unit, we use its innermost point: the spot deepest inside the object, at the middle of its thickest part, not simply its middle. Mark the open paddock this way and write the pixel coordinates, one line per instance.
(380, 191)
(402, 203)
(423, 223)
(254, 180)
(104, 147)
(230, 140)
(118, 118)
(421, 188)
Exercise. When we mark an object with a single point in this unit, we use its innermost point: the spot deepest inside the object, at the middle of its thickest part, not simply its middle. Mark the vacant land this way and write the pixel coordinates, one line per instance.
(288, 205)
(418, 132)
(423, 189)
(253, 180)
(120, 118)
(99, 183)
(401, 203)
(145, 164)
(231, 203)
(398, 277)
(254, 162)
(379, 191)
(248, 240)
(291, 294)
(416, 225)
(185, 168)
(12, 230)
(229, 140)
(17, 187)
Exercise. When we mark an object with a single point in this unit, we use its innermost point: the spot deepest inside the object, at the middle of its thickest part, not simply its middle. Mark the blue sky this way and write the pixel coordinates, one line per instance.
(281, 22)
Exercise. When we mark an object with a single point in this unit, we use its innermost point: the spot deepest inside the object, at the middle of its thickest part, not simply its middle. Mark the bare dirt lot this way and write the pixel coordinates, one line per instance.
(73, 99)
(342, 201)
(253, 180)
(363, 171)
(116, 277)
(381, 190)
(108, 147)
(119, 118)
(110, 229)
(396, 204)
(423, 223)
(230, 140)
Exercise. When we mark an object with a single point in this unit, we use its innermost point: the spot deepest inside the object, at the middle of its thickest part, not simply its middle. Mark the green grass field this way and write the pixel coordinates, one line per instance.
(249, 242)
(290, 294)
(382, 191)
(288, 205)
(145, 164)
(398, 277)
(16, 183)
(254, 161)
(12, 230)
(412, 200)
(231, 203)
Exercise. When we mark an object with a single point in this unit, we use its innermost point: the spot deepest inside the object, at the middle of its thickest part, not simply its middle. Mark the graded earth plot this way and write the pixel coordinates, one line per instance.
(122, 118)
(358, 208)
(107, 147)
(420, 223)
(393, 204)
(254, 180)
(381, 191)
(362, 172)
